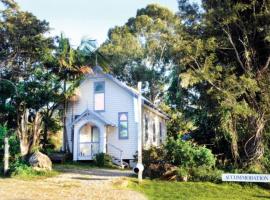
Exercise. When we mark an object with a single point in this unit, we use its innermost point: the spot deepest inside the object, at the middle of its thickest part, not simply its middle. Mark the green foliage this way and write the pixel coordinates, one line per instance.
(182, 172)
(163, 190)
(103, 160)
(148, 37)
(153, 155)
(33, 69)
(225, 71)
(19, 168)
(266, 161)
(177, 124)
(185, 154)
(14, 146)
(205, 174)
(27, 172)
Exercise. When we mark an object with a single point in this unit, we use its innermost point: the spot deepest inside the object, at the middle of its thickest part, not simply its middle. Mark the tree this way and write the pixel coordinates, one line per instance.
(23, 48)
(22, 41)
(140, 49)
(226, 55)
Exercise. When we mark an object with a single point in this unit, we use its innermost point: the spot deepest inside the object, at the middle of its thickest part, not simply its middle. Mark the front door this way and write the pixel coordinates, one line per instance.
(88, 142)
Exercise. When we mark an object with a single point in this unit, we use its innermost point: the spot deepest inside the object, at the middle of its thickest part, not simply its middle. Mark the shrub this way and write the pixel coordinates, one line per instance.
(266, 160)
(21, 169)
(14, 145)
(27, 172)
(203, 157)
(103, 160)
(185, 154)
(205, 174)
(153, 155)
(182, 174)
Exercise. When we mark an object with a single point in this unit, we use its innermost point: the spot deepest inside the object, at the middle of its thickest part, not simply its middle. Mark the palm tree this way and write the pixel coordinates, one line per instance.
(71, 64)
(67, 70)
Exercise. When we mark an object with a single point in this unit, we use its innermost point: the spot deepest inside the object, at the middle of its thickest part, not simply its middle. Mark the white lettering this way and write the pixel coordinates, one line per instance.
(264, 178)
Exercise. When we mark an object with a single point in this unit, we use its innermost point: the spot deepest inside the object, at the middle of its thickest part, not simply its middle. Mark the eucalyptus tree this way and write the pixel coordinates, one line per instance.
(225, 51)
(140, 50)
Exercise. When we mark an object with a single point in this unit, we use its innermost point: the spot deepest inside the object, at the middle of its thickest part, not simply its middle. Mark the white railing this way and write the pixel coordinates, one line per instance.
(117, 149)
(92, 148)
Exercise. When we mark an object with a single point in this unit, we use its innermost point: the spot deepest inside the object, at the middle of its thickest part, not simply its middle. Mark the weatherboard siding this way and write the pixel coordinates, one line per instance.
(153, 118)
(117, 99)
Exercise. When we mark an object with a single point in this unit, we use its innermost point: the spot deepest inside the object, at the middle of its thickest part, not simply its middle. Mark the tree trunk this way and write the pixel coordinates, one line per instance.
(36, 131)
(29, 133)
(24, 147)
(254, 147)
(65, 138)
(23, 133)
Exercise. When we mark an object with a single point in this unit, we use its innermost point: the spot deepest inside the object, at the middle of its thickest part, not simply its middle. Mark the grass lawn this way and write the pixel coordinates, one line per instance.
(31, 174)
(198, 191)
(74, 165)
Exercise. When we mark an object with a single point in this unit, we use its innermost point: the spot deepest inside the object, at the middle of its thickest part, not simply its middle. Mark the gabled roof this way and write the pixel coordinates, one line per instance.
(89, 113)
(98, 72)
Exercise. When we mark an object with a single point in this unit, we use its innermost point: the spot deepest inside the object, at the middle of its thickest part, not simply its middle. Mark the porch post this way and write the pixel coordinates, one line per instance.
(102, 144)
(75, 143)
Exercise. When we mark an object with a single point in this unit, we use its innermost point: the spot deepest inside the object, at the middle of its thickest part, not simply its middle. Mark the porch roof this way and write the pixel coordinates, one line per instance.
(94, 115)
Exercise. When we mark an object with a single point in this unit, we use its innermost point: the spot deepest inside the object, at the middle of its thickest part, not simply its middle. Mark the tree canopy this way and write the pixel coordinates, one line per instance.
(225, 59)
(140, 49)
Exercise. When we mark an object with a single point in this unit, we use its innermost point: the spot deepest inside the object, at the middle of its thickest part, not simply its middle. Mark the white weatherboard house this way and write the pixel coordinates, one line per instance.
(104, 118)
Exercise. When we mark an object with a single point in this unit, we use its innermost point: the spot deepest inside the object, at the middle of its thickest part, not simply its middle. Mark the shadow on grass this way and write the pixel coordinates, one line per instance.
(97, 172)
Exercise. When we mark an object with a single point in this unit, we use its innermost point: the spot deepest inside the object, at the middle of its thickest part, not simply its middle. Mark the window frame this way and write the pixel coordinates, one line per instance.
(119, 121)
(160, 133)
(103, 92)
(154, 131)
(146, 128)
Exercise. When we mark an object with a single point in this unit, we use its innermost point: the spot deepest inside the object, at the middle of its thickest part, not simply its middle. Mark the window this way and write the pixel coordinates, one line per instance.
(123, 125)
(160, 132)
(154, 131)
(99, 96)
(146, 128)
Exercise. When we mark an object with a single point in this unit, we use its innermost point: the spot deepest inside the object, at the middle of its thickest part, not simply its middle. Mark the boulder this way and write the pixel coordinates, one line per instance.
(40, 161)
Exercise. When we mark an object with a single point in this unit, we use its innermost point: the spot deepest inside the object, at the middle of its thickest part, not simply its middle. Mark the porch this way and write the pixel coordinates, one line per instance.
(90, 138)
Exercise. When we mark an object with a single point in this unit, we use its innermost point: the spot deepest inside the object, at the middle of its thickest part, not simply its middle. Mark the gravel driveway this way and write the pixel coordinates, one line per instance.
(72, 184)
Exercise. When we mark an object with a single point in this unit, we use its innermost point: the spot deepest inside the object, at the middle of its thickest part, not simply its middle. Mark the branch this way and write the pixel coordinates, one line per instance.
(200, 74)
(235, 49)
(266, 64)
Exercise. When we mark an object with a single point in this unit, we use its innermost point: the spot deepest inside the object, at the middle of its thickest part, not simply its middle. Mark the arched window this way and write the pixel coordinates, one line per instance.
(123, 125)
(99, 96)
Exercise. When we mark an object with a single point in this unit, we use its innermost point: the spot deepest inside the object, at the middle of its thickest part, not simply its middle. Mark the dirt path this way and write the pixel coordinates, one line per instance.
(72, 184)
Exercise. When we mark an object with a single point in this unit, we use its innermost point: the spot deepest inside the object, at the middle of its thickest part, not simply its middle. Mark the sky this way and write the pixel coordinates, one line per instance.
(87, 18)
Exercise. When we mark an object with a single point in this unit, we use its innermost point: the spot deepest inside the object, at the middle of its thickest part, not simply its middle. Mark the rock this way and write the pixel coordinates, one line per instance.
(40, 161)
